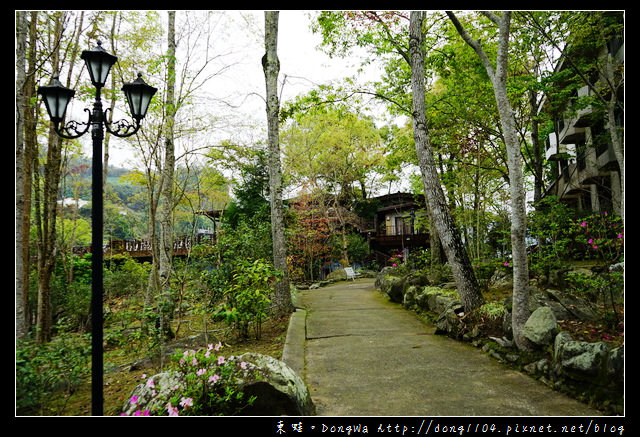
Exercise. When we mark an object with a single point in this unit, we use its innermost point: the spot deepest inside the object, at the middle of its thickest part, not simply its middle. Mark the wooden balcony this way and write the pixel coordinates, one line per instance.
(142, 249)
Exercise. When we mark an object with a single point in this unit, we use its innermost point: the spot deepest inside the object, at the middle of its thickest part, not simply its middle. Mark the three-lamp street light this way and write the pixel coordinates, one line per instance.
(56, 98)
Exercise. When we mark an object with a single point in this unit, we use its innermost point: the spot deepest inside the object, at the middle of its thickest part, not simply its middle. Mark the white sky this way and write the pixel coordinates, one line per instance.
(304, 66)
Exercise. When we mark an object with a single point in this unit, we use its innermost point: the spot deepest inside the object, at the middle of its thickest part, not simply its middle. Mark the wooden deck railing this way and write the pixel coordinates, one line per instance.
(141, 248)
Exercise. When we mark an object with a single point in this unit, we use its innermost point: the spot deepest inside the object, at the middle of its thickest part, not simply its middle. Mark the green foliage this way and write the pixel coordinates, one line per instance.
(75, 304)
(125, 276)
(484, 271)
(246, 299)
(58, 368)
(492, 310)
(550, 225)
(251, 192)
(249, 239)
(605, 287)
(357, 247)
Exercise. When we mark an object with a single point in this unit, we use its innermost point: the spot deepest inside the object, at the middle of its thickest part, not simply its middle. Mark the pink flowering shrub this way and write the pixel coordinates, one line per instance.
(601, 236)
(209, 386)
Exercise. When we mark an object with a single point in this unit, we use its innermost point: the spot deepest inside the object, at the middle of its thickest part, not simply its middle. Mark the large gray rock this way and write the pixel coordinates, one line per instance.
(410, 294)
(541, 327)
(577, 307)
(150, 397)
(581, 358)
(279, 390)
(393, 286)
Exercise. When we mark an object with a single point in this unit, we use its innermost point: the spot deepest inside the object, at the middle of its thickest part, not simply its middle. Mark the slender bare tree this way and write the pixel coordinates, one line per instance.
(498, 76)
(271, 67)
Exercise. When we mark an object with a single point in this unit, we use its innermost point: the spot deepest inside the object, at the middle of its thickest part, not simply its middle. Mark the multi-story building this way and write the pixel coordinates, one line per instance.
(587, 173)
(394, 229)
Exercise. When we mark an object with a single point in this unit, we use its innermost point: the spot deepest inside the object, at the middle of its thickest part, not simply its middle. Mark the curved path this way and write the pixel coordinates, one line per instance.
(362, 355)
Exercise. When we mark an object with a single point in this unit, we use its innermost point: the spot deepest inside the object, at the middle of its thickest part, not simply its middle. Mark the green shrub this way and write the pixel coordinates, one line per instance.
(247, 298)
(607, 288)
(484, 271)
(492, 310)
(125, 277)
(53, 369)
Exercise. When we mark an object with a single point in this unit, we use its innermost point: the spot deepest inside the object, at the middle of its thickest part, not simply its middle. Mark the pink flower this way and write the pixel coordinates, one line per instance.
(218, 346)
(590, 240)
(186, 402)
(213, 379)
(394, 265)
(201, 372)
(150, 383)
(141, 413)
(243, 365)
(133, 400)
(220, 360)
(506, 263)
(173, 411)
(583, 224)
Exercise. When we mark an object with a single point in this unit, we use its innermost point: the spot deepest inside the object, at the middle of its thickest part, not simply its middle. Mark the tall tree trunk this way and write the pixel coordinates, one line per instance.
(21, 193)
(520, 311)
(271, 67)
(165, 255)
(614, 129)
(46, 213)
(450, 238)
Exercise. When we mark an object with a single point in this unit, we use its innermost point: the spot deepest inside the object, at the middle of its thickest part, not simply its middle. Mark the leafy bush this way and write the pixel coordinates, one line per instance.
(125, 276)
(561, 236)
(484, 271)
(55, 368)
(550, 225)
(247, 298)
(607, 288)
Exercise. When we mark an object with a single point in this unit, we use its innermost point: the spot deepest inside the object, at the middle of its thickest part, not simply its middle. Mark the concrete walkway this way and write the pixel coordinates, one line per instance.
(362, 355)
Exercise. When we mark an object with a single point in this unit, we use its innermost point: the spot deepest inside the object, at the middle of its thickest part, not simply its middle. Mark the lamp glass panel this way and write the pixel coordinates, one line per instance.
(139, 96)
(145, 99)
(134, 103)
(61, 103)
(56, 99)
(99, 69)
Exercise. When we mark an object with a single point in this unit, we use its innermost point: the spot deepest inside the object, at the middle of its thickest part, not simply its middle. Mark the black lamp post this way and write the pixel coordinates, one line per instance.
(56, 98)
